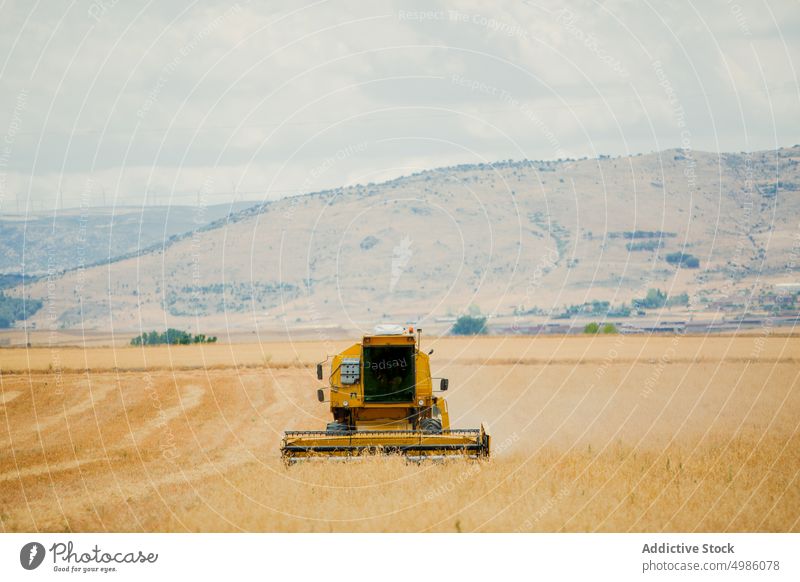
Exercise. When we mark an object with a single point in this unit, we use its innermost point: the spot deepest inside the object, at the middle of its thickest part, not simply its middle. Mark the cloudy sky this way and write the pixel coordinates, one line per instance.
(152, 102)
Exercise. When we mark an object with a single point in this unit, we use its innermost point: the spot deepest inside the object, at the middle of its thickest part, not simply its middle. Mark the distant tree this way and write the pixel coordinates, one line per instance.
(177, 336)
(683, 260)
(173, 337)
(648, 245)
(469, 325)
(591, 328)
(680, 299)
(621, 311)
(655, 298)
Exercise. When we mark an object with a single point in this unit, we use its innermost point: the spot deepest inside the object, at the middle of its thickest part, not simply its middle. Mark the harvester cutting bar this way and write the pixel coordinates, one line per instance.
(464, 443)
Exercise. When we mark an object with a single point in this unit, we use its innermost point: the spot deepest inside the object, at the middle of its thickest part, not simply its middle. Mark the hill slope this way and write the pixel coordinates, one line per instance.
(511, 235)
(67, 239)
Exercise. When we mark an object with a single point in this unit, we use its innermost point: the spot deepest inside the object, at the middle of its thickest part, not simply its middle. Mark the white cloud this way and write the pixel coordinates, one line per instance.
(256, 94)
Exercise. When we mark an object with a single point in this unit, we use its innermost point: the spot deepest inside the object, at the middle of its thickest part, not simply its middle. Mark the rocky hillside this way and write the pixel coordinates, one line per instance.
(67, 239)
(506, 236)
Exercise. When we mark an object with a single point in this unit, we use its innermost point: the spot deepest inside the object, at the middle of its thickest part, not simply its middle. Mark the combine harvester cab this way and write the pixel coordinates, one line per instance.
(382, 402)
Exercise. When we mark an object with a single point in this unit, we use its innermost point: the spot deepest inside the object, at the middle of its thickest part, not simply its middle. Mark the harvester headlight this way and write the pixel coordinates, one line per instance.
(345, 403)
(421, 402)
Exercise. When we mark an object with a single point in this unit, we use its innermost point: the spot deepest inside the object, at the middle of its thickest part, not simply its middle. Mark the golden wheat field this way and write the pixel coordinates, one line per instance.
(617, 433)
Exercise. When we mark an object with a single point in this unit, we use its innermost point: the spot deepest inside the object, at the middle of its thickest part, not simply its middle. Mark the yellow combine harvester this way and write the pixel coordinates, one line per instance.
(382, 401)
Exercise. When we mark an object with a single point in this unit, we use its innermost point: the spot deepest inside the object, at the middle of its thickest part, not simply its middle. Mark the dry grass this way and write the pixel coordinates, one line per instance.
(608, 434)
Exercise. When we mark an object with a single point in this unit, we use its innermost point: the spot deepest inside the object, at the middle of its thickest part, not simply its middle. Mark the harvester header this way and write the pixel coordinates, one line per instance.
(382, 401)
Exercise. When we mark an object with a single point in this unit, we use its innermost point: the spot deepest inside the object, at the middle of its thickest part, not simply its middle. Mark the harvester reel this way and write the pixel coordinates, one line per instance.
(431, 425)
(336, 428)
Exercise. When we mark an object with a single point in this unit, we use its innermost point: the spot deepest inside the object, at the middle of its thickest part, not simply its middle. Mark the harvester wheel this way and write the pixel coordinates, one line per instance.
(336, 427)
(431, 425)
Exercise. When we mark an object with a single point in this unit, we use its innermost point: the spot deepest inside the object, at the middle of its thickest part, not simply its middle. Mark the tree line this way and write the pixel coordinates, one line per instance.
(173, 337)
